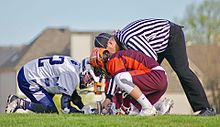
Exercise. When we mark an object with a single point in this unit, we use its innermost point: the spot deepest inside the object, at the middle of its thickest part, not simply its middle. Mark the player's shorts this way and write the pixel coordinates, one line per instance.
(153, 84)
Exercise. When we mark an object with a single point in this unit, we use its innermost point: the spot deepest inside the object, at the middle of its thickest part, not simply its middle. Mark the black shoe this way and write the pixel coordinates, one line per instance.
(12, 104)
(11, 98)
(207, 112)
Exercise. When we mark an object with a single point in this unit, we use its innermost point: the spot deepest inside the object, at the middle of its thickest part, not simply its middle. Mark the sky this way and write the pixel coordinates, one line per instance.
(21, 21)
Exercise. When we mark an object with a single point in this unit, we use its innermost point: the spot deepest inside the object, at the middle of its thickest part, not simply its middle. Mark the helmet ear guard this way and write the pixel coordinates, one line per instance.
(106, 55)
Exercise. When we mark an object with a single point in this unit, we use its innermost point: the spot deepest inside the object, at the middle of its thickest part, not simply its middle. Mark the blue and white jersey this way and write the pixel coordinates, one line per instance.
(56, 74)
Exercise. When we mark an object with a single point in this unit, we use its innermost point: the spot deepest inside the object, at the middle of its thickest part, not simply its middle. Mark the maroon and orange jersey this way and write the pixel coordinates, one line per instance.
(128, 60)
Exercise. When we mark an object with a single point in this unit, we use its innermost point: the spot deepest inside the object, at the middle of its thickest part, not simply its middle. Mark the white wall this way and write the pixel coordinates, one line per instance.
(81, 44)
(7, 86)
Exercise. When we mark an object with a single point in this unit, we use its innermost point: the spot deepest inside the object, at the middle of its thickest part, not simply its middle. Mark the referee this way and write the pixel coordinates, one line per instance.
(159, 39)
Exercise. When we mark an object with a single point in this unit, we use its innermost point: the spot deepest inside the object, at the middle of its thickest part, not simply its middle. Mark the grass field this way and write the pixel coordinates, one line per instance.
(80, 120)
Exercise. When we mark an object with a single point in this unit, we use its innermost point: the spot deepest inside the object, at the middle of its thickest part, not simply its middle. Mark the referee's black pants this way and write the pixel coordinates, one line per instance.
(177, 57)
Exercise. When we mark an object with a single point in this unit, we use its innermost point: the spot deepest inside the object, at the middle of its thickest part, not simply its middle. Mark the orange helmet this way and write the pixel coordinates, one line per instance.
(99, 57)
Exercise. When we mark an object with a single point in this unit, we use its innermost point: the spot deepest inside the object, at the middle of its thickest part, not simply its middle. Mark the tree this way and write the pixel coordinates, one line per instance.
(202, 22)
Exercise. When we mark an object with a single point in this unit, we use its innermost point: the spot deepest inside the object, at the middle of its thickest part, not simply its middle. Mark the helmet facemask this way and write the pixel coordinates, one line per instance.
(99, 58)
(87, 76)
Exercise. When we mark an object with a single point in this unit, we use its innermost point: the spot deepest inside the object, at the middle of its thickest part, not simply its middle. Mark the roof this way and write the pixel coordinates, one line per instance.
(51, 41)
(9, 56)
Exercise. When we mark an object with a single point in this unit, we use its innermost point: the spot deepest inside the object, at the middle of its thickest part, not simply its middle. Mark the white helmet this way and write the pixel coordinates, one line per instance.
(85, 68)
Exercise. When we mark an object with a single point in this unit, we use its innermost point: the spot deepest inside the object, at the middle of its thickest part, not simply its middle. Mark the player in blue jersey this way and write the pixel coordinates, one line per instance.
(42, 78)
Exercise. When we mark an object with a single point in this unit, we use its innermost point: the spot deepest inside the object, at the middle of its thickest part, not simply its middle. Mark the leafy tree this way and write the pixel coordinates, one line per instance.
(202, 22)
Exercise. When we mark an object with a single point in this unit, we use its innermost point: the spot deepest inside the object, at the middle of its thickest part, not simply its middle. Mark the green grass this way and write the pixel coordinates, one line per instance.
(80, 120)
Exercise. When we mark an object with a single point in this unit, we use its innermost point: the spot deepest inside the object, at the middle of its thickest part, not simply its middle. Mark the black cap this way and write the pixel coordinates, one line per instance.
(102, 39)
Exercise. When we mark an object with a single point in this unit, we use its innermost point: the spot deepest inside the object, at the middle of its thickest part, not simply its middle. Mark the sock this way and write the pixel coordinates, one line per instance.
(144, 102)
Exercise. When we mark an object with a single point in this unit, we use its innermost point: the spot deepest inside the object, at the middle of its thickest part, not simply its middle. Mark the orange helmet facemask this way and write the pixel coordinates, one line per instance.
(99, 57)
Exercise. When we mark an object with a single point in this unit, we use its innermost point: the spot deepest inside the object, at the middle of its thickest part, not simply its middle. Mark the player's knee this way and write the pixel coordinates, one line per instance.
(124, 81)
(121, 78)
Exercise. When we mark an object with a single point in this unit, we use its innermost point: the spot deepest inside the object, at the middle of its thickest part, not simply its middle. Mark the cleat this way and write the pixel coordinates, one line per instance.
(12, 104)
(148, 112)
(12, 107)
(11, 98)
(207, 112)
(134, 110)
(164, 106)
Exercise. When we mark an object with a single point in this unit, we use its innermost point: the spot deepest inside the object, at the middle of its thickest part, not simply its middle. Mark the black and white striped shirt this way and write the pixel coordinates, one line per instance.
(149, 36)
